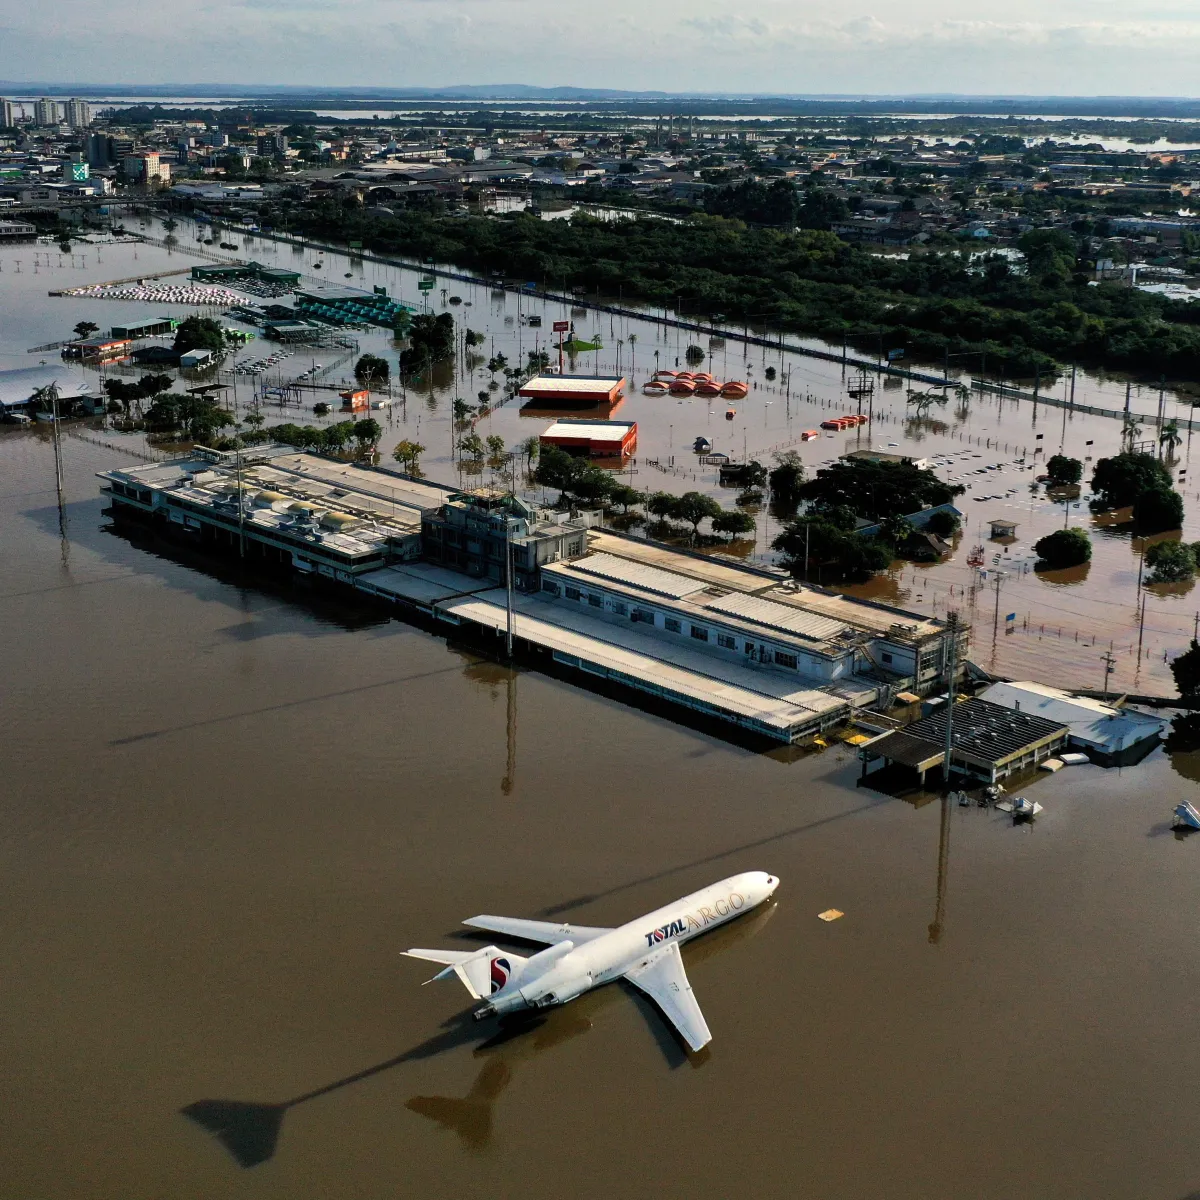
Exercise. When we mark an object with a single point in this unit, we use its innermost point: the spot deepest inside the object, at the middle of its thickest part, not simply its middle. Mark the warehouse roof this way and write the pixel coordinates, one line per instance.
(584, 385)
(982, 730)
(1092, 721)
(18, 386)
(597, 431)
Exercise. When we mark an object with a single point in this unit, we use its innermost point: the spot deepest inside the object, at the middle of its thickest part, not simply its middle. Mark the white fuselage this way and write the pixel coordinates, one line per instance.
(563, 971)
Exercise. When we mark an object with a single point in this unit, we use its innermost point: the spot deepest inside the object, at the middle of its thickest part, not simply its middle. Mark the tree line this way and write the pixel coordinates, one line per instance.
(810, 282)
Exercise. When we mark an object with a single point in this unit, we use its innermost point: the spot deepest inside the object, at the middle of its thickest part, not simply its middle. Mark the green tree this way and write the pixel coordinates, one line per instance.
(200, 333)
(944, 523)
(1063, 470)
(820, 209)
(694, 507)
(660, 504)
(785, 481)
(1063, 548)
(408, 454)
(556, 468)
(372, 371)
(1170, 562)
(431, 340)
(1186, 669)
(592, 485)
(367, 432)
(1119, 480)
(1169, 437)
(694, 355)
(896, 530)
(85, 329)
(624, 496)
(876, 490)
(472, 447)
(1158, 509)
(733, 523)
(339, 435)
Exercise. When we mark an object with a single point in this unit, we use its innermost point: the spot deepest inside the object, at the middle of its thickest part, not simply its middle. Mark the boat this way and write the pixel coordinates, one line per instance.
(655, 388)
(682, 387)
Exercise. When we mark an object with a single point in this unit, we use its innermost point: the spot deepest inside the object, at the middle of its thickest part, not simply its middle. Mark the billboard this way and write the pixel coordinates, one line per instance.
(561, 326)
(79, 172)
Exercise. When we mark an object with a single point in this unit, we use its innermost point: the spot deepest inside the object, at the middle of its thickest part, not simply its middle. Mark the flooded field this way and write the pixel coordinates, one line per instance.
(993, 446)
(229, 804)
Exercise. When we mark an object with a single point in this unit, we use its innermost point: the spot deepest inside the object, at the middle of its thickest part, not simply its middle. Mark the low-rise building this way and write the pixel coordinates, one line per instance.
(474, 532)
(594, 439)
(582, 390)
(297, 510)
(1111, 734)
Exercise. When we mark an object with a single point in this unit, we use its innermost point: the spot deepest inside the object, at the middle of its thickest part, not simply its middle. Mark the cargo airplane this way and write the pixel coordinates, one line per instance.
(578, 958)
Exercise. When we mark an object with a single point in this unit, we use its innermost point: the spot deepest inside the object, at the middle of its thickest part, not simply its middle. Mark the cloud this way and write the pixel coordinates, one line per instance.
(1034, 46)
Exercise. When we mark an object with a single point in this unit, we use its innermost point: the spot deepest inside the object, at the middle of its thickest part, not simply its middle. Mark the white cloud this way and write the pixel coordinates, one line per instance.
(1059, 47)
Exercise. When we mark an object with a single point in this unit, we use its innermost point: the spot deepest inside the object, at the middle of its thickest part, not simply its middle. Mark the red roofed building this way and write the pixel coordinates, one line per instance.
(595, 439)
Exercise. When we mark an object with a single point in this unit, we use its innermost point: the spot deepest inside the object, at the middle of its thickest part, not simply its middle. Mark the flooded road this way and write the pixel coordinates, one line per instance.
(228, 805)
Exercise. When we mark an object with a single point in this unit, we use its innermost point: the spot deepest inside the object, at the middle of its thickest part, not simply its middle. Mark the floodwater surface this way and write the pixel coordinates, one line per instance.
(228, 805)
(994, 447)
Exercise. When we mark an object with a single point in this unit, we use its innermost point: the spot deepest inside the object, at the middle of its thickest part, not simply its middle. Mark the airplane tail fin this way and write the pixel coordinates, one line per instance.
(483, 972)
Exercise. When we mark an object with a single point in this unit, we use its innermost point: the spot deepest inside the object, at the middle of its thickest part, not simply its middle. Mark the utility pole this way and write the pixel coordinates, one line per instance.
(1109, 666)
(996, 616)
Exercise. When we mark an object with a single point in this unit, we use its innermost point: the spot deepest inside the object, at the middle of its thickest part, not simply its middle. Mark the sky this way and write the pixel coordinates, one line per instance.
(1021, 47)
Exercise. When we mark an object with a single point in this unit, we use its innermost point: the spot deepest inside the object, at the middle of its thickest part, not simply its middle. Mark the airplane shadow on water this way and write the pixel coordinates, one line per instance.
(250, 1130)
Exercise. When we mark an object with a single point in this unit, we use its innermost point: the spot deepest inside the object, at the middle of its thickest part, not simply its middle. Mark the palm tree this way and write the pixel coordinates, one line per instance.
(1130, 432)
(1168, 436)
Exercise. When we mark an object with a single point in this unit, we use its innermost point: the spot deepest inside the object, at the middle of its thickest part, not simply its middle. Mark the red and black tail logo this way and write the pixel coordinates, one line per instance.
(501, 969)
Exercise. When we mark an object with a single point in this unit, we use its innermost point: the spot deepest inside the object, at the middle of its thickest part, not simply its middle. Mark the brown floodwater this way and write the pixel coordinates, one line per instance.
(1063, 622)
(228, 804)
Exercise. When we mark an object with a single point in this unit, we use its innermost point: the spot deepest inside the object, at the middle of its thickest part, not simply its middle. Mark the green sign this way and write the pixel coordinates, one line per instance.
(425, 285)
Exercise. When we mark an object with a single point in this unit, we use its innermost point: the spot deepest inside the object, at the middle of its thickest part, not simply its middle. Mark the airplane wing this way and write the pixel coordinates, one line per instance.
(662, 977)
(548, 932)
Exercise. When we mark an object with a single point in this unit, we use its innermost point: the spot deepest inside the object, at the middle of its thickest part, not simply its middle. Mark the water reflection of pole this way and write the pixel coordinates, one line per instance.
(510, 770)
(939, 908)
(508, 588)
(996, 615)
(1141, 629)
(951, 677)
